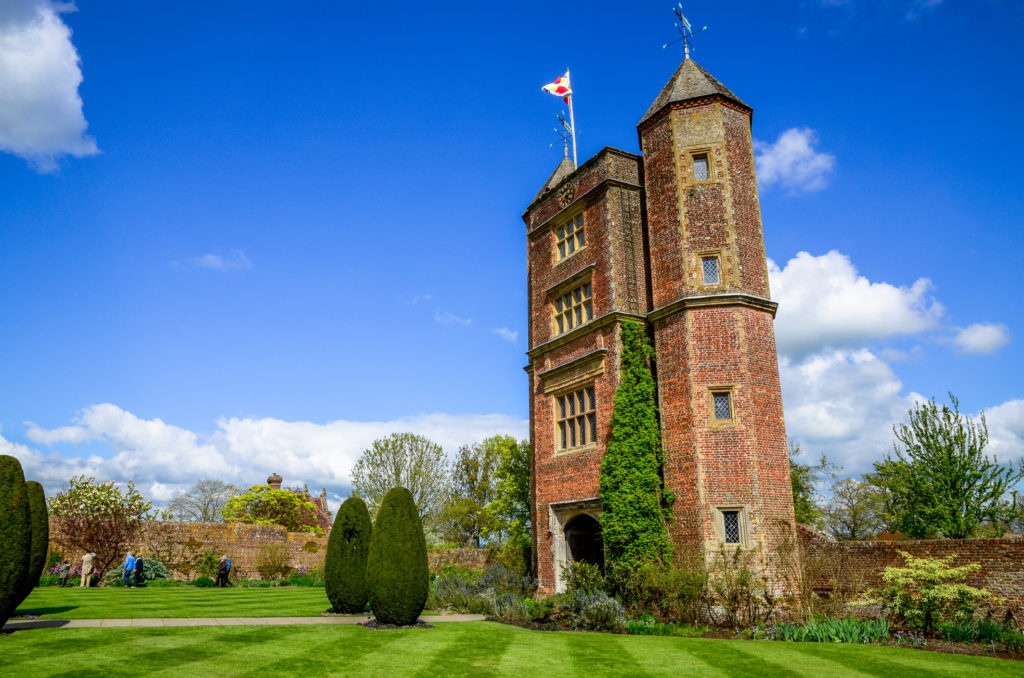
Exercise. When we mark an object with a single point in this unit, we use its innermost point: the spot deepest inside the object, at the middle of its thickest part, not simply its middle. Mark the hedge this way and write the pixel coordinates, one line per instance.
(397, 579)
(15, 535)
(347, 550)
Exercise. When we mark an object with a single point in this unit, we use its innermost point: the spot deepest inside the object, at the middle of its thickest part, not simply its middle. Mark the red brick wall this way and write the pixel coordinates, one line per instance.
(1001, 560)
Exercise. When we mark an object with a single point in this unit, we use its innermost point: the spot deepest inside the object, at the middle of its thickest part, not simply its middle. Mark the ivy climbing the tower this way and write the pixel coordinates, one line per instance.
(632, 497)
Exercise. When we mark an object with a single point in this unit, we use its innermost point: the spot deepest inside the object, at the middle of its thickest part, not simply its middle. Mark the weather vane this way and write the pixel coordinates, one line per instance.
(564, 132)
(686, 31)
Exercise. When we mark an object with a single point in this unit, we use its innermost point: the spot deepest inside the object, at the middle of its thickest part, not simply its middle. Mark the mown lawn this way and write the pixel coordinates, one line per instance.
(52, 602)
(452, 649)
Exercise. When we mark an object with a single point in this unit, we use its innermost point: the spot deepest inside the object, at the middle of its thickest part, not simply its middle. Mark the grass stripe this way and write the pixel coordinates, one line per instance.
(534, 653)
(895, 661)
(669, 657)
(471, 652)
(601, 653)
(727, 657)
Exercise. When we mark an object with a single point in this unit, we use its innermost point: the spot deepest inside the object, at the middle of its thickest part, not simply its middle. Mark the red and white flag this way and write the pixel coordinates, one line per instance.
(560, 87)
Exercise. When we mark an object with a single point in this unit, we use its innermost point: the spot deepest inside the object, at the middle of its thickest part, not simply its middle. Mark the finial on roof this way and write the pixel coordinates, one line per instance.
(686, 31)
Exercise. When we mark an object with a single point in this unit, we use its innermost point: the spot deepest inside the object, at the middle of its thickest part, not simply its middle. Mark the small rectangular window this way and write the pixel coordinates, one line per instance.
(723, 406)
(576, 415)
(574, 308)
(700, 167)
(569, 237)
(710, 267)
(731, 523)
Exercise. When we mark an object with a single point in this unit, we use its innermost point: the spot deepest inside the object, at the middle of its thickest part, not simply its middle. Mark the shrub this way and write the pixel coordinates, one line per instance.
(15, 535)
(832, 630)
(204, 582)
(153, 570)
(581, 577)
(597, 611)
(500, 580)
(928, 591)
(462, 594)
(737, 593)
(304, 577)
(273, 562)
(511, 606)
(982, 631)
(40, 527)
(397, 579)
(633, 520)
(347, 550)
(207, 564)
(665, 591)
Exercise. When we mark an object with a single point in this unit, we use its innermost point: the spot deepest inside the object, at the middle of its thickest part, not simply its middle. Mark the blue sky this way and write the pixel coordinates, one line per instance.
(256, 236)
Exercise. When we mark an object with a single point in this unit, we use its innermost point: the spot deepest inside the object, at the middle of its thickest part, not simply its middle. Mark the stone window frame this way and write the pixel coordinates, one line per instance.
(580, 282)
(578, 235)
(692, 155)
(589, 416)
(744, 525)
(715, 253)
(730, 390)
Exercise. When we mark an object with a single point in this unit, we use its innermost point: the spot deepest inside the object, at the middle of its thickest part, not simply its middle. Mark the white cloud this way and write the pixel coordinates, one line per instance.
(41, 116)
(1006, 431)
(447, 318)
(505, 333)
(217, 262)
(417, 299)
(163, 458)
(792, 162)
(825, 304)
(982, 338)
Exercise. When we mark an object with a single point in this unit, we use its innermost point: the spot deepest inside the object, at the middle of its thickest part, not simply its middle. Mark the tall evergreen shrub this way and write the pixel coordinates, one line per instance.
(15, 535)
(39, 525)
(347, 550)
(397, 579)
(632, 518)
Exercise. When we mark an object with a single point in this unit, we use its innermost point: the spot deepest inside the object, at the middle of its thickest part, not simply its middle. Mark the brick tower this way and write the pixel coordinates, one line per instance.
(672, 239)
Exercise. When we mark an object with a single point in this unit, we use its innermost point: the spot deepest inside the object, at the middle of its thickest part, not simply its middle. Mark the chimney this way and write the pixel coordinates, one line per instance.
(275, 481)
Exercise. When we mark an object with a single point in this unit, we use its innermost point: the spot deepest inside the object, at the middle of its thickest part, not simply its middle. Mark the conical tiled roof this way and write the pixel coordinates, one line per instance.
(690, 81)
(564, 169)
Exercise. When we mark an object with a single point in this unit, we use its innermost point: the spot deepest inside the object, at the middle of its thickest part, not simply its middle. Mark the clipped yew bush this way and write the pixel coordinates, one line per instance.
(15, 535)
(39, 524)
(347, 550)
(397, 579)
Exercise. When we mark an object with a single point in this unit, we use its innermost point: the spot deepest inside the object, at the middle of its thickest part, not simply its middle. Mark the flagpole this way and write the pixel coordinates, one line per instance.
(572, 124)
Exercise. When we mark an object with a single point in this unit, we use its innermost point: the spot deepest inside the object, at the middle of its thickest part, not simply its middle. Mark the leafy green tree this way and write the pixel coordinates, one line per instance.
(40, 525)
(262, 505)
(510, 509)
(465, 518)
(633, 518)
(403, 460)
(855, 511)
(807, 503)
(347, 550)
(98, 517)
(15, 535)
(397, 579)
(938, 482)
(204, 502)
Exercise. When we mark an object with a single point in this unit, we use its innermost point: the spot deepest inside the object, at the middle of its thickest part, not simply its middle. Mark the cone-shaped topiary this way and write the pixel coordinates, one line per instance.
(347, 550)
(15, 535)
(397, 579)
(39, 523)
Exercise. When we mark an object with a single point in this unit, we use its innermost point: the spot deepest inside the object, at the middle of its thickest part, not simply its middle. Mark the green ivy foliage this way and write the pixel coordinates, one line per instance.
(15, 535)
(633, 516)
(397, 578)
(347, 550)
(39, 523)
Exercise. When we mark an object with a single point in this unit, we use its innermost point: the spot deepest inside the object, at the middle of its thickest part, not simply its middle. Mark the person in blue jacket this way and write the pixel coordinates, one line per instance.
(129, 569)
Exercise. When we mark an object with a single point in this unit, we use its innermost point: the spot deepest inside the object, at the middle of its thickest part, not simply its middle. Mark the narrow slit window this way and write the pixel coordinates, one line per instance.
(576, 415)
(712, 275)
(731, 523)
(700, 167)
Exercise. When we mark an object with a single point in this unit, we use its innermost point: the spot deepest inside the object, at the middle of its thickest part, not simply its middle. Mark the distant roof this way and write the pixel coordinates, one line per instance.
(564, 169)
(690, 81)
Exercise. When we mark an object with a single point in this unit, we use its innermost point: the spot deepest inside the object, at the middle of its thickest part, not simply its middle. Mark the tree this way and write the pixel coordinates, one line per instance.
(397, 578)
(403, 460)
(632, 519)
(807, 503)
(15, 535)
(39, 525)
(347, 550)
(510, 509)
(465, 518)
(262, 505)
(855, 511)
(98, 517)
(938, 482)
(204, 502)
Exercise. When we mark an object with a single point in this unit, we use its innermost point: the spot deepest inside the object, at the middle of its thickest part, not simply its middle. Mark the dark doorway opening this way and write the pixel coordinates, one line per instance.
(583, 537)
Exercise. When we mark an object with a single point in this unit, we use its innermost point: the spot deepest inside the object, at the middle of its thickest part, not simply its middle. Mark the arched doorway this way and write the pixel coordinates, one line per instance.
(584, 541)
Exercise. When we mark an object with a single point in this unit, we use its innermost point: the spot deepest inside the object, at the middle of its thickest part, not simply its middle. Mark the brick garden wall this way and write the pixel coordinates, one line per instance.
(1001, 560)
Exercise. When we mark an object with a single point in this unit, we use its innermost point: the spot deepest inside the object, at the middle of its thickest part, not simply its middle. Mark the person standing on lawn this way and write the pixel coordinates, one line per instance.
(222, 572)
(129, 569)
(139, 576)
(64, 573)
(87, 569)
(228, 578)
